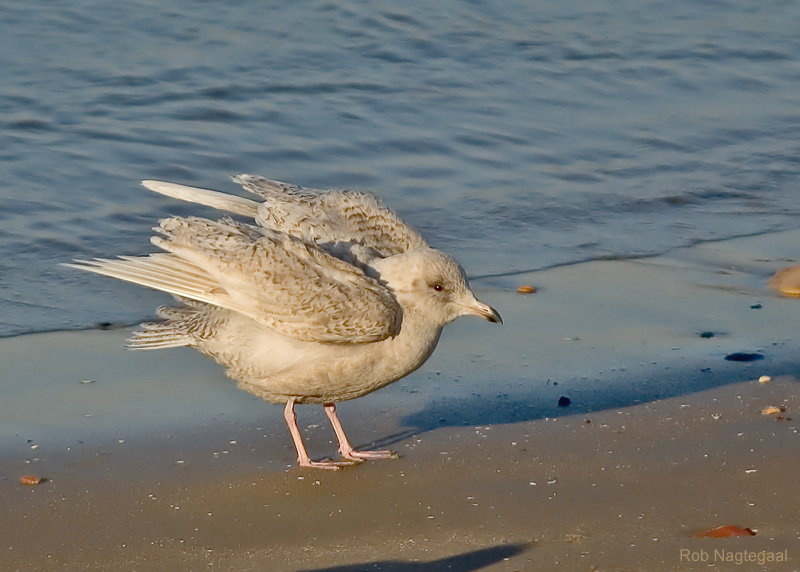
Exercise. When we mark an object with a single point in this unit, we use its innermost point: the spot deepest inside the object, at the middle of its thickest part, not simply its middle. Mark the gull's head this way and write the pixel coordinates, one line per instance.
(432, 283)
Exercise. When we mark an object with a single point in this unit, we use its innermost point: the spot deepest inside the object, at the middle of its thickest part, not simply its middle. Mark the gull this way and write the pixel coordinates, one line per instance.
(321, 297)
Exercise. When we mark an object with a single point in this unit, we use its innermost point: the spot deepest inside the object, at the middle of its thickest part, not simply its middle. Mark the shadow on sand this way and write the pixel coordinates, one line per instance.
(466, 562)
(475, 410)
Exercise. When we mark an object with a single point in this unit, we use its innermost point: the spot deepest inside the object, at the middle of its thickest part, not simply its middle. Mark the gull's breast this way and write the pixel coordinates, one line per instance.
(276, 367)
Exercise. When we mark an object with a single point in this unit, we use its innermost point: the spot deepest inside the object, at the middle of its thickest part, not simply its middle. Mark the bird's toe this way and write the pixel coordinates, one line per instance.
(330, 465)
(370, 455)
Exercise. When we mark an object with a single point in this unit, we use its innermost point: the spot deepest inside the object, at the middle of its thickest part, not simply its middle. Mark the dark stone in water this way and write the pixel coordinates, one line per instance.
(564, 401)
(706, 334)
(743, 356)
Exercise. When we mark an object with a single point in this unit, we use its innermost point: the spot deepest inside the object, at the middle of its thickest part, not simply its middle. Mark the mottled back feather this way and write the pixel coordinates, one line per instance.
(330, 217)
(290, 285)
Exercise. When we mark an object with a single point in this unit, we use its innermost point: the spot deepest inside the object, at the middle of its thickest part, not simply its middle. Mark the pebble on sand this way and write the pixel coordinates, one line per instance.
(526, 289)
(744, 356)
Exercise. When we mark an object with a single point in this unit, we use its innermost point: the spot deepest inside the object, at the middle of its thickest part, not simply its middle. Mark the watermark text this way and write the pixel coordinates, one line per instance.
(733, 556)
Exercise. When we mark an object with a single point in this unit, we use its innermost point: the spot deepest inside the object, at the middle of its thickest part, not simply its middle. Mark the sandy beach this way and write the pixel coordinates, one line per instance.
(155, 461)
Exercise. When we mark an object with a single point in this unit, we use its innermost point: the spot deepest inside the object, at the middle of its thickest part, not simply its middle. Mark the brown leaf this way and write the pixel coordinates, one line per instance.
(724, 532)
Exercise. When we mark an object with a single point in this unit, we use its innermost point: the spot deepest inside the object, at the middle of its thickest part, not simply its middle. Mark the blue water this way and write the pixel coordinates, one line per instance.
(515, 135)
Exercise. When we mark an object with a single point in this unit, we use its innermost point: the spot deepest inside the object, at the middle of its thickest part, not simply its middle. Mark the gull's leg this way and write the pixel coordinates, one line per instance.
(302, 456)
(345, 448)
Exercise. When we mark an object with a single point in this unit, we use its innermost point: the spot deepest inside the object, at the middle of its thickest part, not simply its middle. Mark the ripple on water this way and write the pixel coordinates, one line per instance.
(561, 130)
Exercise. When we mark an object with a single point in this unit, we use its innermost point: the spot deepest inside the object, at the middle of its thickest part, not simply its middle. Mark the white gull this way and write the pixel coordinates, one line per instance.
(327, 297)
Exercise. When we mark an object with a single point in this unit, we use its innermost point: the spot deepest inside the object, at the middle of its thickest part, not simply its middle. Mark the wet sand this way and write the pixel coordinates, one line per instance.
(161, 464)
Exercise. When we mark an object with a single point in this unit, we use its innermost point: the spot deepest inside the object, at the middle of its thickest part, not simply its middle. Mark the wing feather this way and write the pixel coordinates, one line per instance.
(292, 286)
(165, 272)
(331, 216)
(214, 199)
(327, 218)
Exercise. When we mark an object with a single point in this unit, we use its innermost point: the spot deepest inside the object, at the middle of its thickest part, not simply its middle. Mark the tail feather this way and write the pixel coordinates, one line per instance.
(158, 336)
(171, 333)
(214, 199)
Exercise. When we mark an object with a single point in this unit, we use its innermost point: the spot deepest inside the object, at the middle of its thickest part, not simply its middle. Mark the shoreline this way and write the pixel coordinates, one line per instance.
(147, 296)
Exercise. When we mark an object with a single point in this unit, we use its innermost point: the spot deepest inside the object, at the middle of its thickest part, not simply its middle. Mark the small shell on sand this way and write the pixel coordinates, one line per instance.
(30, 480)
(786, 281)
(772, 410)
(526, 289)
(764, 379)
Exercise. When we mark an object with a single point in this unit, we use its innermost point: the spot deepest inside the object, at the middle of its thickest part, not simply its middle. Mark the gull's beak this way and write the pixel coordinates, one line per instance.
(477, 308)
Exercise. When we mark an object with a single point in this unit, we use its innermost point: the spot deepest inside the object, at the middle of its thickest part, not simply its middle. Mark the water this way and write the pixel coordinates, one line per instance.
(514, 135)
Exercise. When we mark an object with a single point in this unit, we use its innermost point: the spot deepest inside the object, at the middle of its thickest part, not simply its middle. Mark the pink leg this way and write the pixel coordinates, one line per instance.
(302, 456)
(345, 448)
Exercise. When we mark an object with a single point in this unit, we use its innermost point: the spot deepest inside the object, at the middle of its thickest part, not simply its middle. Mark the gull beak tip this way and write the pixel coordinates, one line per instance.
(486, 312)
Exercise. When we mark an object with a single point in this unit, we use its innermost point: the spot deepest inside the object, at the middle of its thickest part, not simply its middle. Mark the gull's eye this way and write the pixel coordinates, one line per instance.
(438, 287)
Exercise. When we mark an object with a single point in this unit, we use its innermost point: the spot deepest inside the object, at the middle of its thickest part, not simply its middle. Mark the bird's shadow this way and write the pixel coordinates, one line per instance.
(466, 562)
(530, 405)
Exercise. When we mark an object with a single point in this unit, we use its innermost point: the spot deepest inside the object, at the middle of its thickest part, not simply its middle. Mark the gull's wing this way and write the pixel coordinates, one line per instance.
(331, 216)
(320, 217)
(287, 284)
(214, 199)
